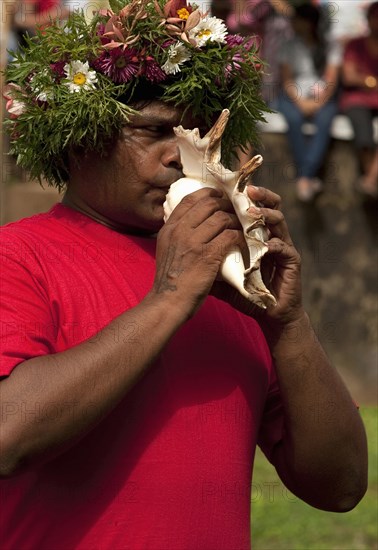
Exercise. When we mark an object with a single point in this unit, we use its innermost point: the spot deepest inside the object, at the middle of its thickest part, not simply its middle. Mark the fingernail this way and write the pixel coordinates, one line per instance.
(255, 209)
(254, 187)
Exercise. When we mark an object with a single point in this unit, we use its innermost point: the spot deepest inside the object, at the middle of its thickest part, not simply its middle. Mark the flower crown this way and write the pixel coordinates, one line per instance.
(76, 85)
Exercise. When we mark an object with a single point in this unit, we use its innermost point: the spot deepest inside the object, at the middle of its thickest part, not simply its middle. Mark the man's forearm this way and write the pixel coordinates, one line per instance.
(85, 382)
(322, 458)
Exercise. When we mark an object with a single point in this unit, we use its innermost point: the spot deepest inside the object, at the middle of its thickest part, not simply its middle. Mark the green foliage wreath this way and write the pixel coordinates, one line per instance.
(73, 85)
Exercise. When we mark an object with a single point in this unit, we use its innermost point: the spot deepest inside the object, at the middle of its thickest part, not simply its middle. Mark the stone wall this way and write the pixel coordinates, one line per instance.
(336, 235)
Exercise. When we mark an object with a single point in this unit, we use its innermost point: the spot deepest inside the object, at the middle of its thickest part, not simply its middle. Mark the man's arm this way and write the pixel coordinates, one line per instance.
(86, 382)
(323, 456)
(352, 76)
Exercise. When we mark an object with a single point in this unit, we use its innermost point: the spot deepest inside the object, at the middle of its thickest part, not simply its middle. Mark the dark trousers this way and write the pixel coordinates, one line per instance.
(362, 122)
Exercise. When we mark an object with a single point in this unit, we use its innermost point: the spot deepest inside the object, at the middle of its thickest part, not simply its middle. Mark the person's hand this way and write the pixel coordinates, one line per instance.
(280, 267)
(308, 106)
(191, 247)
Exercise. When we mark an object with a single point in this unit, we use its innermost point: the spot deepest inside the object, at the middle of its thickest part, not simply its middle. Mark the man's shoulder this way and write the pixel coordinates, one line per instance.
(34, 236)
(31, 224)
(56, 225)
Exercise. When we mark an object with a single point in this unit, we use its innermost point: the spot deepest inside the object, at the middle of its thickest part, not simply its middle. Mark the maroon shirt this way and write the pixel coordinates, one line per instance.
(356, 51)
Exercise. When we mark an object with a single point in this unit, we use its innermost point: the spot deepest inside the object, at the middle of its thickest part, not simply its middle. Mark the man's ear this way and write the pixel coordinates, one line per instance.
(79, 155)
(79, 158)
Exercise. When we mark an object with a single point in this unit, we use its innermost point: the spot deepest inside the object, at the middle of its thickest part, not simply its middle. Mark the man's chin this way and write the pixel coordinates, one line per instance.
(151, 228)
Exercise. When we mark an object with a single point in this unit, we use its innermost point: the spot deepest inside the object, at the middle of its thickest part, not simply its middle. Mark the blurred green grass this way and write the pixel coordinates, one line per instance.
(280, 521)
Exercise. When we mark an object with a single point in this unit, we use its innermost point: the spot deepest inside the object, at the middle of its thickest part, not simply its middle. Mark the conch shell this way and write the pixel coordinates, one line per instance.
(200, 158)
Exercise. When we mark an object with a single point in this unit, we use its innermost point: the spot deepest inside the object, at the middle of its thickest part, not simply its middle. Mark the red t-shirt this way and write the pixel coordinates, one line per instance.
(170, 467)
(356, 51)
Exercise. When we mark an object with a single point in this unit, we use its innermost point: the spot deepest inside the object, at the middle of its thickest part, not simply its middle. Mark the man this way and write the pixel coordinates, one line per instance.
(134, 388)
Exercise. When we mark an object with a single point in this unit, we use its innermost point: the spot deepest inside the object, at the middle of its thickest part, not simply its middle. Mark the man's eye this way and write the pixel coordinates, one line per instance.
(154, 129)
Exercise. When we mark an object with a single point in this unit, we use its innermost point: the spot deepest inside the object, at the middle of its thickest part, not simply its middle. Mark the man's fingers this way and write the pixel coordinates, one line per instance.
(198, 206)
(203, 215)
(268, 205)
(284, 251)
(264, 196)
(275, 221)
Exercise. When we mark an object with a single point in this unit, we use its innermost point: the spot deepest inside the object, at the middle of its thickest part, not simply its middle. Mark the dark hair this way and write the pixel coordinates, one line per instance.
(311, 13)
(371, 9)
(308, 12)
(142, 91)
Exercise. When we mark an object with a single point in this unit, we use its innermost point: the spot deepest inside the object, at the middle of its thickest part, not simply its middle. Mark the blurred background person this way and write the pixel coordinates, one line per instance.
(33, 14)
(309, 75)
(269, 21)
(346, 18)
(28, 16)
(359, 99)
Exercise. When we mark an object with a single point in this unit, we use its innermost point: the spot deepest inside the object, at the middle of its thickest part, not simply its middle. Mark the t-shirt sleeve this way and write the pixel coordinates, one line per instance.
(334, 53)
(26, 327)
(272, 425)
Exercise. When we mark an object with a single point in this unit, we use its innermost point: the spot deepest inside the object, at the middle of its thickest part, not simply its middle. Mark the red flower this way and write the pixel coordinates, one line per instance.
(58, 69)
(152, 71)
(119, 64)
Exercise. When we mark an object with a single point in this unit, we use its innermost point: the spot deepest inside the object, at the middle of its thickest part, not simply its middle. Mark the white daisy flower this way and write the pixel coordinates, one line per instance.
(79, 76)
(46, 95)
(209, 29)
(177, 55)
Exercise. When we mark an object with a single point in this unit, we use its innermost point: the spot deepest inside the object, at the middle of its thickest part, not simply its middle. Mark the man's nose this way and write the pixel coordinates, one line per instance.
(171, 156)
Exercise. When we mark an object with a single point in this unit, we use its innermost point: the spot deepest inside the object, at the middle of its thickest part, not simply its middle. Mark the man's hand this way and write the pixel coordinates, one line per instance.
(191, 247)
(282, 260)
(281, 267)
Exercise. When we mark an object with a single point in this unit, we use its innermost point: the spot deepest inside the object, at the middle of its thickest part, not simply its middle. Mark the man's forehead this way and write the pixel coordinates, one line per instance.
(158, 112)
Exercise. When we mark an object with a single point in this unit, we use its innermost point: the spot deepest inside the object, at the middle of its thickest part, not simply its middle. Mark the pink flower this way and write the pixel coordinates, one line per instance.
(233, 40)
(236, 60)
(253, 42)
(119, 64)
(168, 43)
(101, 32)
(14, 106)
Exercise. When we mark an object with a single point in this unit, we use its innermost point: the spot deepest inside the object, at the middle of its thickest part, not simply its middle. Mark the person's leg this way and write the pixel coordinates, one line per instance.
(362, 122)
(319, 142)
(294, 119)
(367, 152)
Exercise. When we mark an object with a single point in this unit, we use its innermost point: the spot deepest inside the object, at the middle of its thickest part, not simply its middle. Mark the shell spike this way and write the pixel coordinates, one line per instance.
(213, 152)
(247, 170)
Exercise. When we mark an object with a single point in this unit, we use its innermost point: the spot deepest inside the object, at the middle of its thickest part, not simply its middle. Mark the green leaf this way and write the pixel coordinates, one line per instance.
(117, 5)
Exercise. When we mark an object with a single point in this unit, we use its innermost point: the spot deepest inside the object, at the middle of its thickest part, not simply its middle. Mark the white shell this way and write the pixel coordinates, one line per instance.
(200, 158)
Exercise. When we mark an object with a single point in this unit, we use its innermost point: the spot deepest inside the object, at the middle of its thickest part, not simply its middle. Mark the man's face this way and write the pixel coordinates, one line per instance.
(126, 188)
